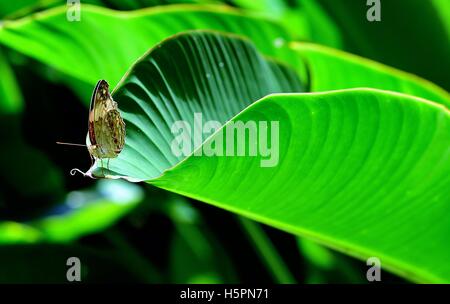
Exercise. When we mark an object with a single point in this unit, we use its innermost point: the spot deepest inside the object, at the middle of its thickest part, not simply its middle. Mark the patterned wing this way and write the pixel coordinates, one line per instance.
(92, 113)
(117, 127)
(106, 127)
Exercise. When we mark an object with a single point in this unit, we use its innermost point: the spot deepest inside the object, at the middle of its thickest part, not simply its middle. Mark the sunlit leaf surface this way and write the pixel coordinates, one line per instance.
(94, 48)
(356, 169)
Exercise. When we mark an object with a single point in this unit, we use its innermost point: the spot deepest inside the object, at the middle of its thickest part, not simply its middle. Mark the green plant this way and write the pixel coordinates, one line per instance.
(363, 163)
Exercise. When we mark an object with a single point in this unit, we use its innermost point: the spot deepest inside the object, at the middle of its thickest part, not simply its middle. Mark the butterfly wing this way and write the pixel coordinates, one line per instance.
(106, 127)
(116, 126)
(92, 115)
(97, 112)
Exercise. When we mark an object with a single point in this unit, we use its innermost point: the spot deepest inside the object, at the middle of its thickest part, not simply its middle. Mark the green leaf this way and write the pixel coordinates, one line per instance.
(133, 4)
(16, 9)
(267, 252)
(22, 163)
(219, 82)
(442, 7)
(12, 9)
(327, 266)
(363, 171)
(11, 101)
(195, 256)
(321, 28)
(330, 69)
(276, 7)
(412, 35)
(83, 212)
(316, 254)
(105, 43)
(305, 19)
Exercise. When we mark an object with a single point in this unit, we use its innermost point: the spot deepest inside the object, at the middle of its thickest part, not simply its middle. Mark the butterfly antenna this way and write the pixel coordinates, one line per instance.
(70, 144)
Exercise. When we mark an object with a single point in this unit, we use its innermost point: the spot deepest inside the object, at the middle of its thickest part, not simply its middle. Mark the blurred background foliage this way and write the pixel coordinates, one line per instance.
(127, 232)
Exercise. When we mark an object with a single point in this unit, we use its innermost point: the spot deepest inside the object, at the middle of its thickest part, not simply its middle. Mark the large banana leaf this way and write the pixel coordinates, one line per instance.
(106, 42)
(17, 9)
(218, 83)
(363, 171)
(331, 69)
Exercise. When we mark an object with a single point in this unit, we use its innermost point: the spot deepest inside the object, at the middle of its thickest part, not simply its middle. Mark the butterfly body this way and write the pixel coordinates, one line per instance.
(106, 136)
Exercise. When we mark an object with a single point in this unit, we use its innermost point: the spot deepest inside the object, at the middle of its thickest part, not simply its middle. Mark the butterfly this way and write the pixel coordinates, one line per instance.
(106, 135)
(106, 128)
